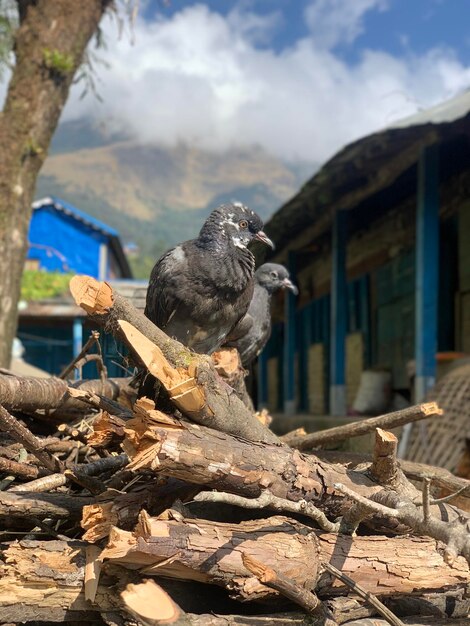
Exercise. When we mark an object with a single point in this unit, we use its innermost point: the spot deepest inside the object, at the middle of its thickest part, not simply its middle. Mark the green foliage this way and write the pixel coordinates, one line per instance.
(32, 147)
(40, 285)
(57, 61)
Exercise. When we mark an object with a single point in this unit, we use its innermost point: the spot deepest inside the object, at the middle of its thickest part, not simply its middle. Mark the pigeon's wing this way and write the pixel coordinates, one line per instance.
(240, 330)
(162, 303)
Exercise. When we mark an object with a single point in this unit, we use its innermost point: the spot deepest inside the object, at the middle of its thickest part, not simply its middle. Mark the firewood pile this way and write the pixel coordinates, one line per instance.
(187, 509)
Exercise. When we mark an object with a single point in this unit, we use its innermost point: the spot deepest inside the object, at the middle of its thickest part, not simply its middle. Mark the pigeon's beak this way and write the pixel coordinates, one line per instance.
(288, 284)
(262, 236)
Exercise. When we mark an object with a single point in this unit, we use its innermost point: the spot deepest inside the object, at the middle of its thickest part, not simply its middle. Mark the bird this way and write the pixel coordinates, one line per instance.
(200, 289)
(253, 331)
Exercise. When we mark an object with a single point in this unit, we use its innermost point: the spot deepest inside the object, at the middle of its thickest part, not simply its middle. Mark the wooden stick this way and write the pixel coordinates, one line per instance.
(50, 394)
(455, 536)
(54, 506)
(355, 429)
(23, 435)
(287, 587)
(384, 466)
(365, 595)
(111, 463)
(269, 501)
(92, 339)
(21, 470)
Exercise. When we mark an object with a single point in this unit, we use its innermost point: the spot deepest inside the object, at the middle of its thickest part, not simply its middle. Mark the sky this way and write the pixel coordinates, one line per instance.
(300, 78)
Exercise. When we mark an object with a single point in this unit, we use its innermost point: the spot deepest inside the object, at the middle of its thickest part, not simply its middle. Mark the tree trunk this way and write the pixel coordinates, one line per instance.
(203, 456)
(49, 46)
(212, 552)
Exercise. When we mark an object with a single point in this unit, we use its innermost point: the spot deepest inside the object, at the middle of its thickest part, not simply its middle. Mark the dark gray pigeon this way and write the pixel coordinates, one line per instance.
(199, 290)
(252, 332)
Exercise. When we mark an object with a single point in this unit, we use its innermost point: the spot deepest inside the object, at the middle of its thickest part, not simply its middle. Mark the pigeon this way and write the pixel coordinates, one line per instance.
(252, 332)
(199, 290)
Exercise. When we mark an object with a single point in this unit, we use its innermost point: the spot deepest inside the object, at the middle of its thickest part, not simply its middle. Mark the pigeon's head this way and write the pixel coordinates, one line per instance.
(236, 223)
(272, 277)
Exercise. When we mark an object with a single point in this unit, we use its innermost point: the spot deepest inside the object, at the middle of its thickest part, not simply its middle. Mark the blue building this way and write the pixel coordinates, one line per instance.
(378, 242)
(64, 239)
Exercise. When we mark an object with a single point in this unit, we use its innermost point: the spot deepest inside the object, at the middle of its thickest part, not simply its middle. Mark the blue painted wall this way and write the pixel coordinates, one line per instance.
(61, 243)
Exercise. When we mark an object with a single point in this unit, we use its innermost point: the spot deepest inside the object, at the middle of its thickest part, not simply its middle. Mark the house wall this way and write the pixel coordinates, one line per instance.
(61, 243)
(463, 298)
(381, 252)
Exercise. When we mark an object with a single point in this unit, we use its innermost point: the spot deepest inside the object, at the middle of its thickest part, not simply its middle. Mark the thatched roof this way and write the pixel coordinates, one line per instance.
(362, 169)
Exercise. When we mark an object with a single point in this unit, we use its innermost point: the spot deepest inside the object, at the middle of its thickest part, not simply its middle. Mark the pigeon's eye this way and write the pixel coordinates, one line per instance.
(274, 274)
(243, 224)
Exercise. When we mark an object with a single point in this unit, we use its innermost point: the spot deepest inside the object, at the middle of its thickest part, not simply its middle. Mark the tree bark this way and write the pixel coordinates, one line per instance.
(212, 552)
(48, 46)
(355, 429)
(51, 394)
(220, 461)
(44, 581)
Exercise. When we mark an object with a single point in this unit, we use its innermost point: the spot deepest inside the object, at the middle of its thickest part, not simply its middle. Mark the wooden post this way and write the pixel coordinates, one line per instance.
(77, 342)
(288, 377)
(306, 340)
(338, 317)
(427, 278)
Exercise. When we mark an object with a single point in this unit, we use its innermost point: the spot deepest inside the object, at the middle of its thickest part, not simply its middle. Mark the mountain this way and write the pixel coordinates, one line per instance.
(158, 195)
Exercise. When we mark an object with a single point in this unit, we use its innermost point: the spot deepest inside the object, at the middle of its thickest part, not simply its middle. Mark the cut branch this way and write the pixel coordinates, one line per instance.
(220, 461)
(287, 587)
(222, 408)
(197, 549)
(391, 420)
(11, 426)
(365, 595)
(384, 466)
(51, 505)
(454, 536)
(51, 394)
(268, 501)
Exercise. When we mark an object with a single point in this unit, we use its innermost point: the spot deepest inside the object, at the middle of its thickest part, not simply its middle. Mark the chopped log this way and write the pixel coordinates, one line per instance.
(21, 470)
(288, 588)
(384, 466)
(220, 461)
(43, 581)
(32, 590)
(222, 409)
(151, 605)
(212, 552)
(50, 394)
(355, 429)
(196, 549)
(51, 505)
(114, 508)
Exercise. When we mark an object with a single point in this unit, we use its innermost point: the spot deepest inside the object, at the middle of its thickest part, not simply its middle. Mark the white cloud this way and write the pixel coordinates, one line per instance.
(200, 77)
(339, 21)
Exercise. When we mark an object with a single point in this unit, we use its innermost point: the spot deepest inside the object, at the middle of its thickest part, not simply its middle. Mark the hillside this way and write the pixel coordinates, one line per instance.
(156, 195)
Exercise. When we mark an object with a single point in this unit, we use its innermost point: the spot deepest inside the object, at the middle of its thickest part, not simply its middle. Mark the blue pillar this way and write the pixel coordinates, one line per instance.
(288, 366)
(427, 271)
(338, 316)
(426, 280)
(77, 340)
(263, 380)
(304, 345)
